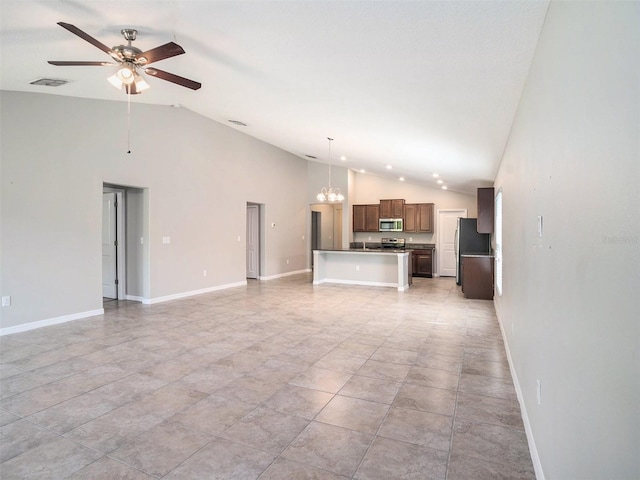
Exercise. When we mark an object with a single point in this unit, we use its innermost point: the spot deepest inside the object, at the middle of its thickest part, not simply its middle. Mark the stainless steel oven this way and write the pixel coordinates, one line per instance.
(390, 225)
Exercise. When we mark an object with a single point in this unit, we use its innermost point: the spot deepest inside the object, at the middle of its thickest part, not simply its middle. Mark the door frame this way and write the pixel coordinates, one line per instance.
(439, 242)
(258, 226)
(121, 250)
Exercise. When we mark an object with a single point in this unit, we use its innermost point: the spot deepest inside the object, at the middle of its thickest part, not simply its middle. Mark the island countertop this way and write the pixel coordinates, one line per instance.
(384, 251)
(374, 267)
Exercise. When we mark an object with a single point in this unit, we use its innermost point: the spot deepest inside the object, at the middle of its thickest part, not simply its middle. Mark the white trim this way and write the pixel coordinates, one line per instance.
(50, 321)
(533, 450)
(285, 274)
(134, 298)
(177, 296)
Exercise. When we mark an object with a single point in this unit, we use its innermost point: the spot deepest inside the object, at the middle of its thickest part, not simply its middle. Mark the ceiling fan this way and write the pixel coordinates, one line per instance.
(131, 59)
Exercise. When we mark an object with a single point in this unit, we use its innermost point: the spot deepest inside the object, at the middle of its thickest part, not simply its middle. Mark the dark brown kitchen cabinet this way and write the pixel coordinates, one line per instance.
(418, 217)
(365, 218)
(410, 210)
(392, 208)
(485, 210)
(422, 263)
(477, 277)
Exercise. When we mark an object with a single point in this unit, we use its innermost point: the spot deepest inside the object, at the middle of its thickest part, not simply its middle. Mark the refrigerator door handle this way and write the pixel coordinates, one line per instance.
(455, 243)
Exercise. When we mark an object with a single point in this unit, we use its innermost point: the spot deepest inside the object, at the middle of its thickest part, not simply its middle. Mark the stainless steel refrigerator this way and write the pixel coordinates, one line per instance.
(469, 241)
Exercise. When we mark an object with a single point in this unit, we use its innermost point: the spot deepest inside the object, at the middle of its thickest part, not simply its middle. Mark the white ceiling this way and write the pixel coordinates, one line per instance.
(424, 86)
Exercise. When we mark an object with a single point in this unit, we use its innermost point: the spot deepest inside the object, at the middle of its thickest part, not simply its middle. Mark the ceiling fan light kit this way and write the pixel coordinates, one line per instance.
(130, 60)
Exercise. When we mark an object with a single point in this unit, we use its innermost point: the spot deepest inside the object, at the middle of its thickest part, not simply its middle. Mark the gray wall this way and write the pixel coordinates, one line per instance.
(197, 176)
(571, 298)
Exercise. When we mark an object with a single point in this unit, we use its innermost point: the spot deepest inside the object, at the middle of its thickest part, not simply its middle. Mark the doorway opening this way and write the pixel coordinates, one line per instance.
(124, 276)
(447, 224)
(254, 241)
(326, 227)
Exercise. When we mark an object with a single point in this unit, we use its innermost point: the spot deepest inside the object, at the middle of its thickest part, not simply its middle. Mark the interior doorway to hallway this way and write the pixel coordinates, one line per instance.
(253, 241)
(447, 225)
(113, 244)
(125, 253)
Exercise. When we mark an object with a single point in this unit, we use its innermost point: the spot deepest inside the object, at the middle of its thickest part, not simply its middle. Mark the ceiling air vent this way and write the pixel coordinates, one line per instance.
(49, 82)
(311, 156)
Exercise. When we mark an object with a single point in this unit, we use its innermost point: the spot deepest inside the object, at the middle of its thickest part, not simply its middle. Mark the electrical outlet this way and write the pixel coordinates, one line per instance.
(287, 261)
(204, 273)
(6, 301)
(357, 268)
(539, 392)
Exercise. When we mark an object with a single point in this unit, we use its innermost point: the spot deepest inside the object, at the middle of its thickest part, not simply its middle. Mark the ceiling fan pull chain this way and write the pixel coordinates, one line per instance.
(128, 120)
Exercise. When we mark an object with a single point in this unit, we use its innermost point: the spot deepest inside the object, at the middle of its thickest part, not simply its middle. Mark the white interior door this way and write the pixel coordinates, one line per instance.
(109, 253)
(253, 241)
(447, 224)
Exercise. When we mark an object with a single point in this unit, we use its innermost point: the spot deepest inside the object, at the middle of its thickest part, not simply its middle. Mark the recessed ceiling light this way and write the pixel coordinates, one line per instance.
(362, 170)
(238, 122)
(401, 179)
(389, 167)
(444, 187)
(440, 182)
(435, 175)
(343, 158)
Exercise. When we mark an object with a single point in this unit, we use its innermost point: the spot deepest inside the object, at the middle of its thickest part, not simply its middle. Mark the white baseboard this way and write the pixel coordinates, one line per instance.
(286, 274)
(134, 298)
(535, 458)
(50, 321)
(356, 282)
(177, 296)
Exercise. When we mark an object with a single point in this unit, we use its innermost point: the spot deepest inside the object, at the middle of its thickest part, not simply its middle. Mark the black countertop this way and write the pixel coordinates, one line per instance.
(378, 246)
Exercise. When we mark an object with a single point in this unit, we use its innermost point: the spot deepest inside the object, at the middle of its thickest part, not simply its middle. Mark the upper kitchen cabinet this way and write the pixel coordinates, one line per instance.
(365, 218)
(418, 217)
(485, 210)
(392, 208)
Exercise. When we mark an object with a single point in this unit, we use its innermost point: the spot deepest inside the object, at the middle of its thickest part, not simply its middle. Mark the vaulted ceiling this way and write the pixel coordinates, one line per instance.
(422, 86)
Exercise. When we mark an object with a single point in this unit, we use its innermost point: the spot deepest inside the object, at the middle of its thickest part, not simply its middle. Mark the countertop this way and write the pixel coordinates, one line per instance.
(377, 246)
(477, 254)
(363, 250)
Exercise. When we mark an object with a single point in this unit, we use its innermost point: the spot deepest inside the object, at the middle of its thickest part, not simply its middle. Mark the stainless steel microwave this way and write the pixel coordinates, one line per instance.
(390, 225)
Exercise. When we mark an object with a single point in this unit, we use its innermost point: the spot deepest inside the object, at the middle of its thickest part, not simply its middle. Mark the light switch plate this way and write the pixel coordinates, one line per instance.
(540, 226)
(166, 240)
(6, 301)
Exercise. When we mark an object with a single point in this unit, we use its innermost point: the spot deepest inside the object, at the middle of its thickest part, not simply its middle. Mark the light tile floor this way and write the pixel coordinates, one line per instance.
(278, 380)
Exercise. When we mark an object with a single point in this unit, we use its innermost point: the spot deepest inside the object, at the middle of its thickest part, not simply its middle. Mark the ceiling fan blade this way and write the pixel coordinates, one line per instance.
(167, 50)
(85, 36)
(80, 64)
(170, 77)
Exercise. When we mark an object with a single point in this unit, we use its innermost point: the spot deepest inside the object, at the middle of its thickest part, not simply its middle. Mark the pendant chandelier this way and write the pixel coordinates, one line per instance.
(330, 194)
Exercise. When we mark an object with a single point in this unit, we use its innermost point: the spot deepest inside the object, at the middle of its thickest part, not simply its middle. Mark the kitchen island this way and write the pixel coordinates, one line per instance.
(375, 267)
